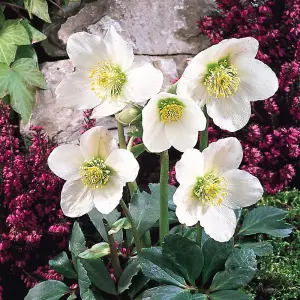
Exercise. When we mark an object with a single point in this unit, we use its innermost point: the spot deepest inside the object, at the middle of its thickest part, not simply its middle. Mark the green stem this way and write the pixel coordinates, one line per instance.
(204, 134)
(132, 187)
(135, 232)
(146, 239)
(113, 251)
(121, 135)
(164, 176)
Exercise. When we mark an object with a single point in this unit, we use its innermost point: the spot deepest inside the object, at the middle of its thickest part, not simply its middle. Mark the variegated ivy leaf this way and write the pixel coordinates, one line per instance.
(38, 8)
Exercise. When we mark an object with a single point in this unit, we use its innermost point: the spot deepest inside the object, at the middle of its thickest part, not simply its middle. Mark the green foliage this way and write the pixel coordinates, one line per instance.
(229, 295)
(129, 272)
(48, 290)
(168, 292)
(38, 8)
(122, 223)
(259, 248)
(97, 251)
(62, 265)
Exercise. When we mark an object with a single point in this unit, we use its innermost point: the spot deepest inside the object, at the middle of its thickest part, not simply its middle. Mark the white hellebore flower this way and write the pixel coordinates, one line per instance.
(225, 78)
(106, 78)
(211, 187)
(170, 120)
(95, 172)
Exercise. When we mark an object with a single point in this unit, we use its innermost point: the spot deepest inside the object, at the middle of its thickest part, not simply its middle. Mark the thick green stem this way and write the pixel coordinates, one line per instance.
(204, 134)
(164, 176)
(113, 251)
(121, 135)
(146, 239)
(135, 232)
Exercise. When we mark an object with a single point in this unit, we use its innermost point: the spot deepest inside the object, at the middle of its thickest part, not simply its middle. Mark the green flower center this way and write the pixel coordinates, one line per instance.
(94, 173)
(210, 189)
(221, 79)
(107, 80)
(170, 110)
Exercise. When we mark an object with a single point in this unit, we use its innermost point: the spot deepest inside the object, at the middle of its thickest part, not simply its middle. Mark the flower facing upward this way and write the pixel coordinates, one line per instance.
(171, 120)
(95, 172)
(211, 187)
(225, 78)
(106, 78)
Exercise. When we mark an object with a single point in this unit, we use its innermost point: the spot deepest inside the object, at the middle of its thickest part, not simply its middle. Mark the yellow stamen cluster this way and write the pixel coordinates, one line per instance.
(210, 189)
(222, 80)
(170, 110)
(94, 173)
(107, 80)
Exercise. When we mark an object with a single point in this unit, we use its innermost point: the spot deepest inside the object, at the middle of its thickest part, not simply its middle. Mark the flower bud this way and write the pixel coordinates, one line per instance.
(129, 115)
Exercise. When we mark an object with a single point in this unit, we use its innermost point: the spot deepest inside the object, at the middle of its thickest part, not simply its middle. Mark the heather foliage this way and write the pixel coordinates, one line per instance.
(33, 228)
(271, 138)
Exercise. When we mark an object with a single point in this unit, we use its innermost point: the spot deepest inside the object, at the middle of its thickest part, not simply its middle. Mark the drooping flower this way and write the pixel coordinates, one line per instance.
(225, 78)
(171, 120)
(106, 77)
(95, 172)
(211, 187)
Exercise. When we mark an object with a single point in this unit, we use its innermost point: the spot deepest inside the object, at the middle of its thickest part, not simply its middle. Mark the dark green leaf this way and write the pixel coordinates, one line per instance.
(62, 265)
(137, 284)
(144, 208)
(26, 51)
(83, 280)
(215, 255)
(2, 18)
(34, 35)
(97, 251)
(200, 297)
(157, 267)
(185, 254)
(12, 35)
(48, 290)
(38, 8)
(138, 150)
(96, 218)
(122, 223)
(72, 297)
(240, 268)
(266, 219)
(259, 248)
(171, 192)
(129, 272)
(99, 276)
(229, 295)
(168, 292)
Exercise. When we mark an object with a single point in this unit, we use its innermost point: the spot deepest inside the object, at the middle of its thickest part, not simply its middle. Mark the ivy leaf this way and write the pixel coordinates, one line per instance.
(215, 255)
(19, 81)
(259, 248)
(185, 254)
(12, 34)
(77, 243)
(157, 267)
(48, 290)
(240, 268)
(229, 295)
(96, 218)
(266, 219)
(35, 36)
(168, 292)
(97, 251)
(38, 8)
(129, 272)
(144, 208)
(122, 223)
(26, 51)
(98, 274)
(61, 264)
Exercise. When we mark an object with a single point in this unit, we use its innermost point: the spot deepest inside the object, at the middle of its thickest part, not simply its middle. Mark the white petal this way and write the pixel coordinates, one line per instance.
(76, 199)
(187, 213)
(65, 161)
(154, 137)
(74, 92)
(183, 194)
(231, 113)
(117, 50)
(84, 49)
(107, 108)
(107, 198)
(243, 189)
(180, 137)
(143, 82)
(258, 80)
(189, 167)
(223, 155)
(97, 142)
(235, 48)
(219, 222)
(124, 164)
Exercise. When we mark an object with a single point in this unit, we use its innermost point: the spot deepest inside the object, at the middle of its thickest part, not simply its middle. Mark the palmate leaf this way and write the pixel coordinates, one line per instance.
(38, 8)
(12, 34)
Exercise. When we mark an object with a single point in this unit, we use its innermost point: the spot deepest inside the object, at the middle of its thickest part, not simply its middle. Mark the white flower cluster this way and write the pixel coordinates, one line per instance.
(224, 78)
